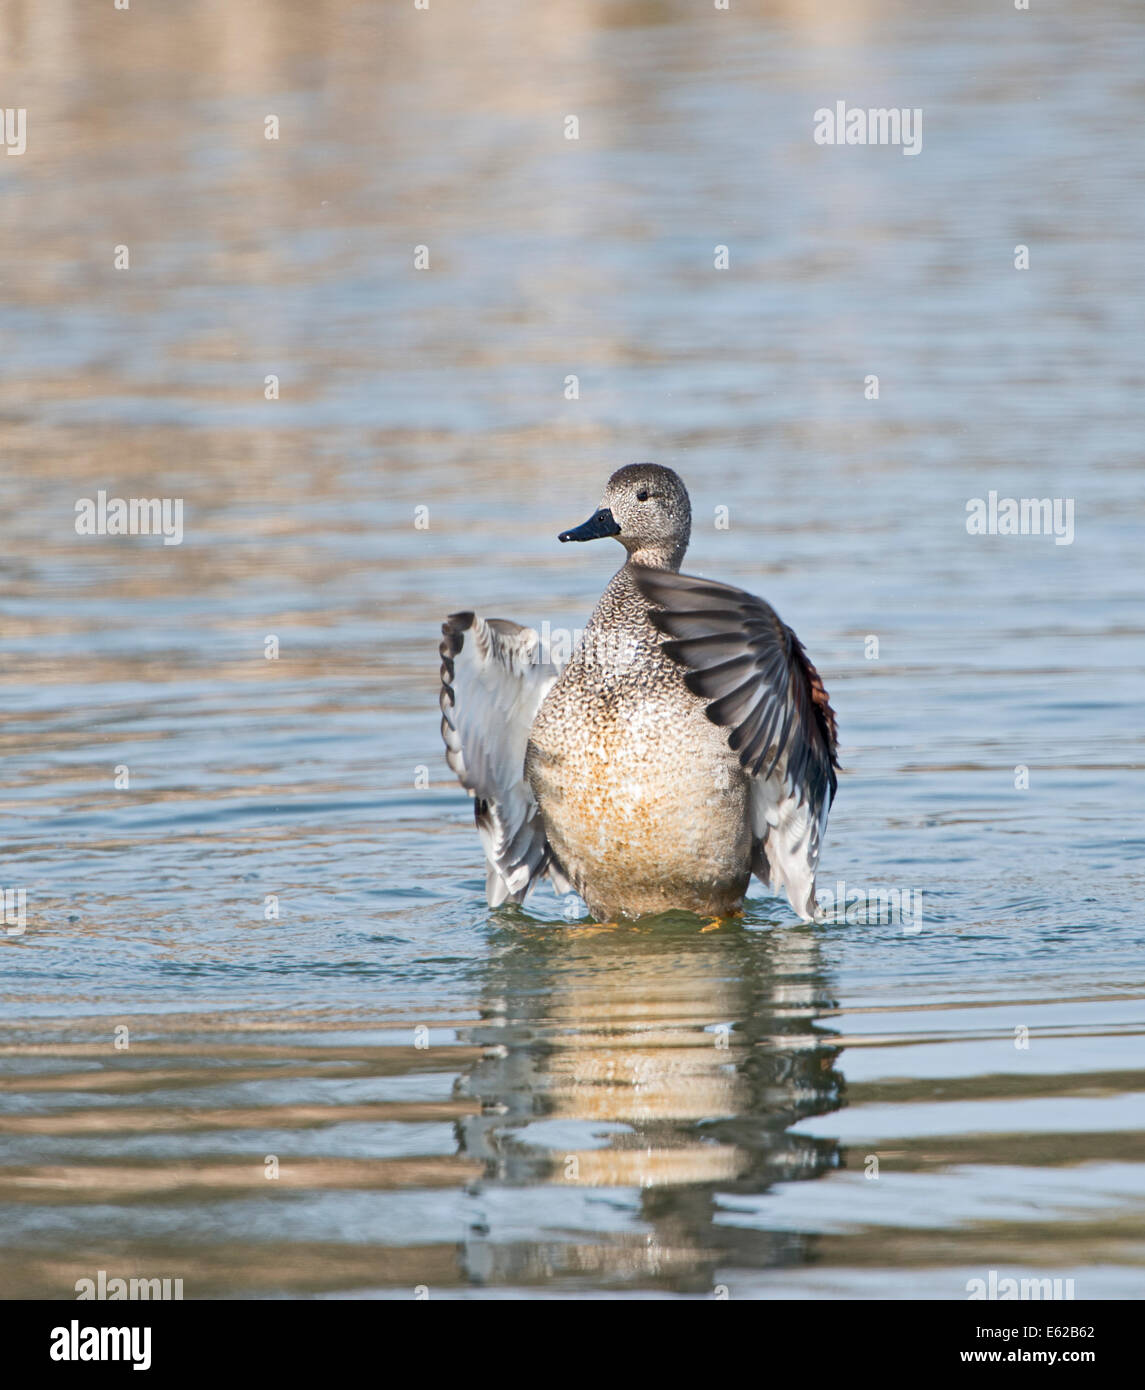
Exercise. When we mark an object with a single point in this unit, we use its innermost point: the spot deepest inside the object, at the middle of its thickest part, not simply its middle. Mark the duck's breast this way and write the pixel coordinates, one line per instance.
(643, 802)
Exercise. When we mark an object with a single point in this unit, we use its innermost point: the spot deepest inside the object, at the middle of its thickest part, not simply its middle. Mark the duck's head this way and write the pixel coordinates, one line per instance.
(646, 508)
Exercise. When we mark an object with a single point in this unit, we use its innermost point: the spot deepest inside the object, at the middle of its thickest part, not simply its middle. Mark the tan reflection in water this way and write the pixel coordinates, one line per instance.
(658, 1061)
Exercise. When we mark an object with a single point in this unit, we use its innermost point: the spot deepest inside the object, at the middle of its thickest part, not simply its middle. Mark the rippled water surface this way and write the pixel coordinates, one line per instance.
(490, 1103)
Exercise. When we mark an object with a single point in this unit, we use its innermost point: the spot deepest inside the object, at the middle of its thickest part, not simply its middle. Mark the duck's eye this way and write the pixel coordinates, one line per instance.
(642, 495)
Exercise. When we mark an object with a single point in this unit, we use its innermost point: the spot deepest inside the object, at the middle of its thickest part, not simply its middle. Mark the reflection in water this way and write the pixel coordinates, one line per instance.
(664, 1065)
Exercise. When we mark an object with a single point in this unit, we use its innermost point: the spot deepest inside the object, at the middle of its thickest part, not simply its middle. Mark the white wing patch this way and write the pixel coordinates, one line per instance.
(492, 685)
(788, 836)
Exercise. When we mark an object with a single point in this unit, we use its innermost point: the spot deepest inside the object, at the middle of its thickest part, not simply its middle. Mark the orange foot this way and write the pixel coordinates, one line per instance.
(593, 929)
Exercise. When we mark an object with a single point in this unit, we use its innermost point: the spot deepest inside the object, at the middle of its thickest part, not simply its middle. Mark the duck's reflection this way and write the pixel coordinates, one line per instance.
(662, 1066)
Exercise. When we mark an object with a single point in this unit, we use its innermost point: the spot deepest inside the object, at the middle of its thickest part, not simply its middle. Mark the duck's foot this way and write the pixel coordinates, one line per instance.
(592, 928)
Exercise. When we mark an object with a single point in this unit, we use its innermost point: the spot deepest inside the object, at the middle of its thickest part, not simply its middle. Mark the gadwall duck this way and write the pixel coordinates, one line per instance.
(686, 744)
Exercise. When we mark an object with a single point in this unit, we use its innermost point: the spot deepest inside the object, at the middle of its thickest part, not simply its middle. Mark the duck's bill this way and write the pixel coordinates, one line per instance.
(600, 523)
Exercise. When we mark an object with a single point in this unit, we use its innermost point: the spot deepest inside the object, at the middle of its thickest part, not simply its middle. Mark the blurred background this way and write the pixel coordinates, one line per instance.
(653, 1110)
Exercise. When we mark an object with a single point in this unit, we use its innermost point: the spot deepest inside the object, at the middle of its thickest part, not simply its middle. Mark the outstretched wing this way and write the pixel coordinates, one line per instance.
(492, 685)
(753, 672)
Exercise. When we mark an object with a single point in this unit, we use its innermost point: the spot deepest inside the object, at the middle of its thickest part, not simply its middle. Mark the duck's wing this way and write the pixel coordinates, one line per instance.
(492, 685)
(753, 673)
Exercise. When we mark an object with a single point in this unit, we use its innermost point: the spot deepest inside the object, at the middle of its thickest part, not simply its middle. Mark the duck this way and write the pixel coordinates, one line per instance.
(686, 744)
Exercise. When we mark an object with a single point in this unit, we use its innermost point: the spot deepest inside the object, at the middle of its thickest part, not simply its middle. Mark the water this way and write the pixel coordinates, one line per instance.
(653, 1109)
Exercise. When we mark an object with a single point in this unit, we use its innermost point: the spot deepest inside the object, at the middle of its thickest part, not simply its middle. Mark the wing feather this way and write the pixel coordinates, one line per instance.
(492, 685)
(757, 682)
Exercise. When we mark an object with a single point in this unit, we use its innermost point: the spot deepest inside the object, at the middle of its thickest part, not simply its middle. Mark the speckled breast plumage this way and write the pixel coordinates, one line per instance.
(643, 802)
